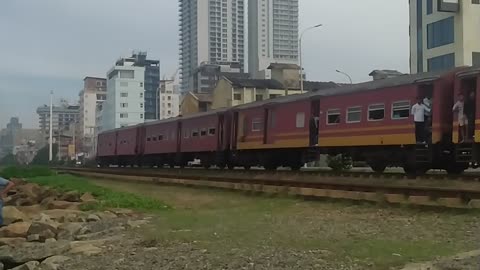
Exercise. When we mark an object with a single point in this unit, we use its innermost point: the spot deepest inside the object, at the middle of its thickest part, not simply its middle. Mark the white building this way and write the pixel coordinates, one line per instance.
(125, 97)
(272, 35)
(169, 99)
(94, 92)
(444, 34)
(210, 31)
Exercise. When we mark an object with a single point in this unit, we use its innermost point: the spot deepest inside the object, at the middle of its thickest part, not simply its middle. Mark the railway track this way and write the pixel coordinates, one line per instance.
(388, 188)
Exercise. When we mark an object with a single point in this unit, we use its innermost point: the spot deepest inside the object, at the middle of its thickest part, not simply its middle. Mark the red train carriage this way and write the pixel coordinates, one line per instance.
(160, 142)
(120, 146)
(467, 83)
(371, 121)
(273, 133)
(206, 137)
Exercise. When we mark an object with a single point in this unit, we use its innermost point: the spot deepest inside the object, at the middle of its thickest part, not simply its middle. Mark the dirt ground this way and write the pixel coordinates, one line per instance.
(212, 229)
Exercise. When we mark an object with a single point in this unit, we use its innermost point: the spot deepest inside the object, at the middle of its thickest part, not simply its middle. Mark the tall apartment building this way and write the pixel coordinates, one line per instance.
(272, 35)
(169, 99)
(151, 79)
(63, 116)
(125, 104)
(444, 34)
(94, 92)
(211, 31)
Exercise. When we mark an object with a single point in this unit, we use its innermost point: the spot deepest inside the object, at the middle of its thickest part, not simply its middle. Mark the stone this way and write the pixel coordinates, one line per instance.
(67, 231)
(31, 211)
(106, 215)
(12, 241)
(32, 251)
(92, 218)
(47, 220)
(54, 262)
(87, 197)
(71, 196)
(19, 229)
(33, 238)
(98, 235)
(63, 205)
(11, 215)
(50, 240)
(63, 215)
(27, 266)
(84, 248)
(122, 212)
(46, 201)
(30, 190)
(44, 230)
(136, 223)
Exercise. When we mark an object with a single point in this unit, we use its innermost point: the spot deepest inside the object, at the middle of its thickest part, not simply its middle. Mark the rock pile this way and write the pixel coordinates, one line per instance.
(45, 228)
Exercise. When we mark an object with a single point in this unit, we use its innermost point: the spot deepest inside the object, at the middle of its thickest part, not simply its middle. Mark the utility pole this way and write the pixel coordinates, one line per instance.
(50, 139)
(301, 52)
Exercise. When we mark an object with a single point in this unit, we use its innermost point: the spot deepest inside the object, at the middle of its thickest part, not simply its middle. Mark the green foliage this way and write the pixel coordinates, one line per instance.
(106, 197)
(339, 162)
(42, 157)
(25, 172)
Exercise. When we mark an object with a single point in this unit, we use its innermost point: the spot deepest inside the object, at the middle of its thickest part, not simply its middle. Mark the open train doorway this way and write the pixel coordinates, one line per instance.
(469, 92)
(425, 93)
(314, 122)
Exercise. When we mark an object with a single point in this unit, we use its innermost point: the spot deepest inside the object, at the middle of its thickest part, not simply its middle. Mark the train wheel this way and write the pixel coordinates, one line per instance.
(378, 168)
(231, 166)
(247, 167)
(296, 167)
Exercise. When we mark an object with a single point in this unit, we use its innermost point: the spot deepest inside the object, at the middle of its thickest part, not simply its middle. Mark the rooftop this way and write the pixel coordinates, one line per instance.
(254, 83)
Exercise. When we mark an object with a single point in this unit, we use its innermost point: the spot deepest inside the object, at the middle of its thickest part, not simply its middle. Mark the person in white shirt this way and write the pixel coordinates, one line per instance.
(462, 119)
(418, 111)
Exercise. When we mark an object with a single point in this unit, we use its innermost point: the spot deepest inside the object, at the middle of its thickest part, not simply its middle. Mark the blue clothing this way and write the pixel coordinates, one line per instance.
(3, 184)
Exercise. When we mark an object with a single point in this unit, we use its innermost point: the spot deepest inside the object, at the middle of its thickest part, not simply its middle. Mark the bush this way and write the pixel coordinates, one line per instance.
(25, 172)
(43, 154)
(8, 160)
(339, 162)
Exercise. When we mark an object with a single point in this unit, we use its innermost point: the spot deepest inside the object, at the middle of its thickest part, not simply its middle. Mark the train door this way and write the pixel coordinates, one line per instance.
(179, 137)
(469, 90)
(426, 93)
(314, 122)
(235, 127)
(220, 133)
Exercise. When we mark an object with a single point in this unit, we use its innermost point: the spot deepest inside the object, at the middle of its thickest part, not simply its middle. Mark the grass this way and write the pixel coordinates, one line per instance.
(232, 225)
(25, 172)
(107, 198)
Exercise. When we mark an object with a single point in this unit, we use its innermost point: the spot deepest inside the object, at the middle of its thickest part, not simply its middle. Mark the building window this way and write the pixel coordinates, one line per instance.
(124, 115)
(354, 114)
(124, 105)
(123, 94)
(476, 2)
(429, 7)
(141, 105)
(141, 84)
(274, 95)
(258, 97)
(443, 62)
(124, 84)
(211, 131)
(169, 98)
(440, 33)
(127, 74)
(333, 117)
(141, 95)
(401, 109)
(237, 96)
(476, 58)
(376, 112)
(141, 116)
(256, 124)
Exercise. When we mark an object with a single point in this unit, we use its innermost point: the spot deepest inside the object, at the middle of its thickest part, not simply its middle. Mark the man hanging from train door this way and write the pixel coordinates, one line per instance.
(418, 111)
(458, 107)
(469, 110)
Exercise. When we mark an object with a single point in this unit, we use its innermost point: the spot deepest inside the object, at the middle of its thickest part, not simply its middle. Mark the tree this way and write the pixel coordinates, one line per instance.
(43, 154)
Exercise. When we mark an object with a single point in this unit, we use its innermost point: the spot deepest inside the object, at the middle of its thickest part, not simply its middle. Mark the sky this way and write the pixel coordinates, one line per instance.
(53, 44)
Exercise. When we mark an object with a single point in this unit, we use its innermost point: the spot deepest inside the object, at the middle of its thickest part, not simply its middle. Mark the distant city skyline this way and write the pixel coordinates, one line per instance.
(52, 46)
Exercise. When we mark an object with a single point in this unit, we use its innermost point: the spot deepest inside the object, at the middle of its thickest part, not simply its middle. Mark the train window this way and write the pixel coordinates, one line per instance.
(195, 133)
(148, 139)
(154, 138)
(203, 132)
(256, 124)
(376, 112)
(401, 109)
(211, 131)
(333, 117)
(354, 114)
(160, 137)
(186, 134)
(300, 120)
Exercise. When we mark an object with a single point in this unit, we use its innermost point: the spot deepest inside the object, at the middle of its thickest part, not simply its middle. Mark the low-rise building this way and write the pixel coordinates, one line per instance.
(63, 115)
(194, 103)
(169, 99)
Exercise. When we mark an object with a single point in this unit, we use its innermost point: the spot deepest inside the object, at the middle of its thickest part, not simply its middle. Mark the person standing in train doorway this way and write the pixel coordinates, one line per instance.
(469, 110)
(458, 107)
(418, 111)
(428, 116)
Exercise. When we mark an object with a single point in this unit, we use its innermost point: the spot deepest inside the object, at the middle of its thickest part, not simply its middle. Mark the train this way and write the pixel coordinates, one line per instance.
(369, 122)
